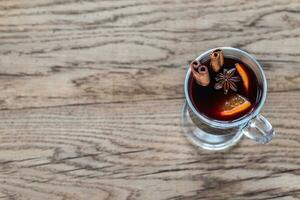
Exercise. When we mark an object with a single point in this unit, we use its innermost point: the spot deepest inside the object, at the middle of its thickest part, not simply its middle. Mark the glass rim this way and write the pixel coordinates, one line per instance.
(228, 124)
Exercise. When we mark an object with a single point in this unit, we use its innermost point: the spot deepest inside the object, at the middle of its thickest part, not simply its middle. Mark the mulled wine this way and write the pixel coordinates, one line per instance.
(223, 88)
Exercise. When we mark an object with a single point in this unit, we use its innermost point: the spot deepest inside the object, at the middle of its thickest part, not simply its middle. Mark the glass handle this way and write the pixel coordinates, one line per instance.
(259, 129)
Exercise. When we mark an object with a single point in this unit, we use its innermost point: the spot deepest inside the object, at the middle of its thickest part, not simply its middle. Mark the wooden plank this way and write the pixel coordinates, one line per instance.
(137, 149)
(53, 54)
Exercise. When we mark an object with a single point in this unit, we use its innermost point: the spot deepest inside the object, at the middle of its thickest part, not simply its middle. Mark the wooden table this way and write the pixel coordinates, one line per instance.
(91, 93)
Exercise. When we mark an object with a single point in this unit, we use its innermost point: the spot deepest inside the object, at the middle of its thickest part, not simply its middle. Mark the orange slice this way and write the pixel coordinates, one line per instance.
(242, 72)
(234, 104)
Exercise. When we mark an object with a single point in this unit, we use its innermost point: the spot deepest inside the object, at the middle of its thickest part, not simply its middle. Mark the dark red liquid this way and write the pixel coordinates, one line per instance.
(207, 99)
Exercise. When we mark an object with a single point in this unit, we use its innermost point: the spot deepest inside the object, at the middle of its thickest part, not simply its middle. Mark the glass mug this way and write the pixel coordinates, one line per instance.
(212, 134)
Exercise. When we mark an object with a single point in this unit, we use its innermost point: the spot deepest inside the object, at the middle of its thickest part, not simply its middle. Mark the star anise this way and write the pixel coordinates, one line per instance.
(226, 80)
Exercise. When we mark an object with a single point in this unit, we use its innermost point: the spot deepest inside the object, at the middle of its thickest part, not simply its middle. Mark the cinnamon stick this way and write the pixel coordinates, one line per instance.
(200, 73)
(217, 60)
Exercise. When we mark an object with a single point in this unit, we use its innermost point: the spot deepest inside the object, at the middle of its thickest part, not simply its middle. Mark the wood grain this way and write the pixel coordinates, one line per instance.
(91, 93)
